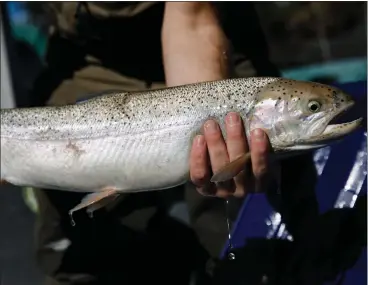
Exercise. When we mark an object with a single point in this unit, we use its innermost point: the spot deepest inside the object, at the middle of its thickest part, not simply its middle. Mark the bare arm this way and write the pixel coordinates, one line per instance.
(194, 45)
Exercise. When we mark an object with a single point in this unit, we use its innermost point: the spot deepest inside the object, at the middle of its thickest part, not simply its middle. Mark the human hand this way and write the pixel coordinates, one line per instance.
(210, 153)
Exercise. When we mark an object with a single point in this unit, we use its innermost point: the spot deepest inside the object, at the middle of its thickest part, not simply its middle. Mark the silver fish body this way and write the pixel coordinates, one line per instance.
(128, 141)
(131, 142)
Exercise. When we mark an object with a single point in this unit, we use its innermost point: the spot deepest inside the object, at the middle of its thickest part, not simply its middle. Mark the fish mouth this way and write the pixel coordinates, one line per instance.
(334, 132)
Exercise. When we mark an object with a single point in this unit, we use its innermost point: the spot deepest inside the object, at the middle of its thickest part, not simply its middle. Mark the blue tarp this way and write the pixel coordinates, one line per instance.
(342, 172)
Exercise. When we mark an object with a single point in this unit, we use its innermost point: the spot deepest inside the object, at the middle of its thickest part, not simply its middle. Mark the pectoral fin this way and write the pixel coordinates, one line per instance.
(232, 169)
(100, 204)
(95, 201)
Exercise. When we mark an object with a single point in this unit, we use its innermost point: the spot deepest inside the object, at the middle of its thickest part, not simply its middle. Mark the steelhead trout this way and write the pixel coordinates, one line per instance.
(140, 141)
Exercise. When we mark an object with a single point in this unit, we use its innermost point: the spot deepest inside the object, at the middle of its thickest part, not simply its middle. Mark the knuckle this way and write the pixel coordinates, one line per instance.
(260, 171)
(259, 148)
(199, 174)
(235, 132)
(214, 137)
(199, 177)
(236, 136)
(218, 153)
(223, 194)
(239, 193)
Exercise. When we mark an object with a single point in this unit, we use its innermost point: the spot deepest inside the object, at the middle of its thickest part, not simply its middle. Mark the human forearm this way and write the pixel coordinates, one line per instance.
(194, 45)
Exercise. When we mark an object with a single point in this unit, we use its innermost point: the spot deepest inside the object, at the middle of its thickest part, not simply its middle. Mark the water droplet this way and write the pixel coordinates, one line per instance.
(231, 256)
(228, 224)
(264, 279)
(72, 222)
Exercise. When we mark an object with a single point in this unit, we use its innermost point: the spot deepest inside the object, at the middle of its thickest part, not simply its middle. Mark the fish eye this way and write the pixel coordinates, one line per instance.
(314, 106)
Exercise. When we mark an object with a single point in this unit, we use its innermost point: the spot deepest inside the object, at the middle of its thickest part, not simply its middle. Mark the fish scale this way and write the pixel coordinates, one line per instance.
(140, 141)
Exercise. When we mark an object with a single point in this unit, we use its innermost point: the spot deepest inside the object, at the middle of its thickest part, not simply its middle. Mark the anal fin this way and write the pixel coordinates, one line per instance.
(232, 169)
(95, 201)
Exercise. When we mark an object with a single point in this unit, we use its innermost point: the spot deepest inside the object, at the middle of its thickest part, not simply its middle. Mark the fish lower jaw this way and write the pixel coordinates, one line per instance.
(305, 147)
(334, 132)
(343, 128)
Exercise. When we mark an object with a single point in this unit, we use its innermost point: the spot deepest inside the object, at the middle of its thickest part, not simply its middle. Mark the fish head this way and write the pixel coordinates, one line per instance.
(298, 115)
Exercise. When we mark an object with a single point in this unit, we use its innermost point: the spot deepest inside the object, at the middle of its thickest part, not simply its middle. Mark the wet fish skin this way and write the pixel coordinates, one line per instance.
(140, 141)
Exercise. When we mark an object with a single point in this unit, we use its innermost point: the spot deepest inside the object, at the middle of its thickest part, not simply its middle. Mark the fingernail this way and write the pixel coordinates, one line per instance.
(232, 119)
(211, 126)
(199, 140)
(258, 135)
